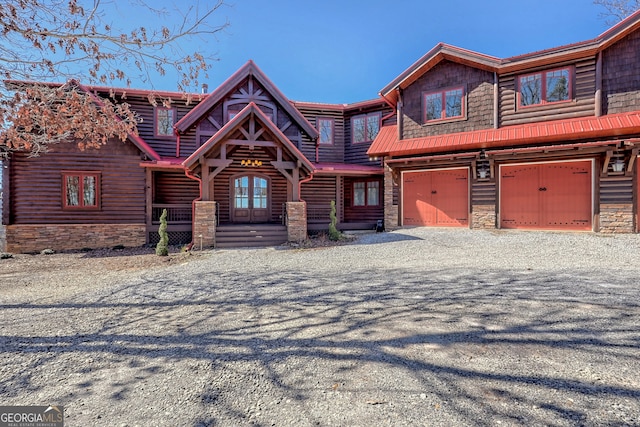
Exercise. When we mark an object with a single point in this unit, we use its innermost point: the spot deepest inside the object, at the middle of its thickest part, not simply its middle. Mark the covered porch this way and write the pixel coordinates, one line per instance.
(249, 175)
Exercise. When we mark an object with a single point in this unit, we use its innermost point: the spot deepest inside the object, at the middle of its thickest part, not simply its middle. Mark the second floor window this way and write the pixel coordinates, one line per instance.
(365, 128)
(325, 129)
(545, 87)
(165, 119)
(445, 104)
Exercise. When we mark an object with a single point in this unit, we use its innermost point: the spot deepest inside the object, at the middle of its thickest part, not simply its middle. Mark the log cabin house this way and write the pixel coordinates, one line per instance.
(240, 166)
(547, 140)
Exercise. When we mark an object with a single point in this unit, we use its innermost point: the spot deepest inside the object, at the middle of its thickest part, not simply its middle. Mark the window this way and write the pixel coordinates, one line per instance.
(165, 119)
(365, 128)
(80, 190)
(545, 87)
(325, 129)
(445, 104)
(366, 193)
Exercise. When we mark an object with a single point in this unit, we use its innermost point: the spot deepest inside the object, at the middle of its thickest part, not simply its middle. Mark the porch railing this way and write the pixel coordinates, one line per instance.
(318, 213)
(176, 214)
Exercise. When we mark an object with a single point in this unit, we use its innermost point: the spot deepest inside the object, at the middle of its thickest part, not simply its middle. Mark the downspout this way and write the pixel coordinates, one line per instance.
(302, 181)
(177, 142)
(496, 101)
(188, 173)
(598, 95)
(318, 150)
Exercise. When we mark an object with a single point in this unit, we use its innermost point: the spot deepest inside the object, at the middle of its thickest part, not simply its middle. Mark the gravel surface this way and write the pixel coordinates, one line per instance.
(434, 327)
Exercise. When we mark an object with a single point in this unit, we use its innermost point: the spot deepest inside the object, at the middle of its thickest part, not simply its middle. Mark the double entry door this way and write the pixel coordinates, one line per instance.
(250, 199)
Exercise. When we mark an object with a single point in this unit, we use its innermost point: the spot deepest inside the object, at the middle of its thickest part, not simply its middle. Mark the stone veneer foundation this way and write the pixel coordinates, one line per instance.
(616, 218)
(483, 217)
(61, 237)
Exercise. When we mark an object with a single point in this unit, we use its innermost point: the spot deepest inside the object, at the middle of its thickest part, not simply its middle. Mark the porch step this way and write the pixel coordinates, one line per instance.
(250, 235)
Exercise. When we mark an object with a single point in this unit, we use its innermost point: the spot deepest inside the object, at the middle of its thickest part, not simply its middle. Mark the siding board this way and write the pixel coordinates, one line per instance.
(36, 184)
(583, 104)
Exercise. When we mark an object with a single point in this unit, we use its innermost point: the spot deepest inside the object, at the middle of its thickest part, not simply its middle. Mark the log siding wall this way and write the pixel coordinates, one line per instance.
(583, 103)
(478, 88)
(36, 185)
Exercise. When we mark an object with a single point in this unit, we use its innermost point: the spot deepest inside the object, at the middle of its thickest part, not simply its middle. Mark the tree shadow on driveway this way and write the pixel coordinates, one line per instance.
(290, 347)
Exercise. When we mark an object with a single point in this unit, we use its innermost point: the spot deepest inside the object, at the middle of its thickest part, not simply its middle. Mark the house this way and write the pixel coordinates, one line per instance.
(547, 140)
(240, 166)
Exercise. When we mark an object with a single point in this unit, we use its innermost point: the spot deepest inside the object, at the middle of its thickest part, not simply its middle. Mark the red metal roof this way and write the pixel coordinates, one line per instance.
(612, 125)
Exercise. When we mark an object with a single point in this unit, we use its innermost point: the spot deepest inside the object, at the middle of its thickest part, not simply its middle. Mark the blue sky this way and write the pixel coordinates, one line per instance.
(345, 51)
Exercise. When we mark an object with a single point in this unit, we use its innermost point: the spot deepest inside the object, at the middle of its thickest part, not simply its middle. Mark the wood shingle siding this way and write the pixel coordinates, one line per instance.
(478, 88)
(621, 71)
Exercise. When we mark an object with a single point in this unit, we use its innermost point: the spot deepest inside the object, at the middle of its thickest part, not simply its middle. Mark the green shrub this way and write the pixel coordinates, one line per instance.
(334, 233)
(162, 248)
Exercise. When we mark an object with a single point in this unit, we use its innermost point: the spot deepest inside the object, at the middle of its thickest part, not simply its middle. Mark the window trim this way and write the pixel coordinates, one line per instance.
(97, 175)
(156, 132)
(366, 117)
(366, 193)
(442, 92)
(332, 123)
(543, 101)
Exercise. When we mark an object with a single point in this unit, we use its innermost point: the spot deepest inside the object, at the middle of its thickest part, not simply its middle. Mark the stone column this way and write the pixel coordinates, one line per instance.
(483, 217)
(296, 221)
(616, 218)
(390, 210)
(204, 224)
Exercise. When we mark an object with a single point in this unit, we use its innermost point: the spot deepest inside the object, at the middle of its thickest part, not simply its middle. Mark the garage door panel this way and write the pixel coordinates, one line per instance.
(417, 208)
(519, 187)
(567, 197)
(449, 199)
(547, 196)
(436, 198)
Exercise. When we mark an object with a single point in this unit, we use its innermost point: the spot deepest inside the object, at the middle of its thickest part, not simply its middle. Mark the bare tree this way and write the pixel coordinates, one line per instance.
(85, 42)
(617, 10)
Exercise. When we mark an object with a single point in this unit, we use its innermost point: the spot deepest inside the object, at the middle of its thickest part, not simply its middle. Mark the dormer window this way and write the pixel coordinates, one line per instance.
(444, 104)
(365, 128)
(325, 130)
(165, 119)
(545, 87)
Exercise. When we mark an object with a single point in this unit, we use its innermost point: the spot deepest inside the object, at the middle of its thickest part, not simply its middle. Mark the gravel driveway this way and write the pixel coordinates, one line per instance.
(434, 327)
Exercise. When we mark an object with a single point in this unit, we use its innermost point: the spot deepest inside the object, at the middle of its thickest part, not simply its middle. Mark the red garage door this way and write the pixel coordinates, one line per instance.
(436, 198)
(547, 195)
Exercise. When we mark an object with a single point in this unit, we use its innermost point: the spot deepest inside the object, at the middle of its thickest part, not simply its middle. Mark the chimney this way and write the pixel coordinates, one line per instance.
(205, 88)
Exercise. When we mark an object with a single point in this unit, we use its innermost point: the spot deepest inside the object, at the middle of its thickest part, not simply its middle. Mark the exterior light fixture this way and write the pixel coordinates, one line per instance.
(251, 163)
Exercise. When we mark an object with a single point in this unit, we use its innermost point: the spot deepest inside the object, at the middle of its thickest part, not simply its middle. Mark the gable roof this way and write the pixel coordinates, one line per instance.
(250, 110)
(136, 140)
(609, 126)
(545, 57)
(248, 69)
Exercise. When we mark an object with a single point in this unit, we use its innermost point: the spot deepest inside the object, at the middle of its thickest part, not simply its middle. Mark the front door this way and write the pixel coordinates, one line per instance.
(250, 199)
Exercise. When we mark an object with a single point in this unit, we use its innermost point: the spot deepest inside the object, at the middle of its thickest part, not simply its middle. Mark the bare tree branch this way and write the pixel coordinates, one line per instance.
(61, 40)
(617, 10)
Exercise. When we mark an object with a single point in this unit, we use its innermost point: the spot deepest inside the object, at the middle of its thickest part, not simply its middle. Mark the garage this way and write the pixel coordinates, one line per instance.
(437, 198)
(549, 196)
